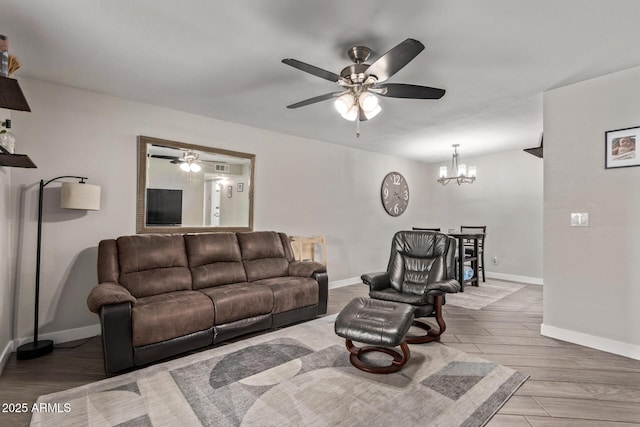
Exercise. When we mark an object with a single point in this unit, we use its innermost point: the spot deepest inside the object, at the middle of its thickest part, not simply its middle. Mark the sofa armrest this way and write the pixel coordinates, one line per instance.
(108, 293)
(376, 281)
(445, 286)
(306, 268)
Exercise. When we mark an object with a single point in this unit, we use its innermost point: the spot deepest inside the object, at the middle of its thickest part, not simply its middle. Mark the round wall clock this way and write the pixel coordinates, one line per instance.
(394, 194)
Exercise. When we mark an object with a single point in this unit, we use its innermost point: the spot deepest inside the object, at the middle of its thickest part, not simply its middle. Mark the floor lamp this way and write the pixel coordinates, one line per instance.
(74, 195)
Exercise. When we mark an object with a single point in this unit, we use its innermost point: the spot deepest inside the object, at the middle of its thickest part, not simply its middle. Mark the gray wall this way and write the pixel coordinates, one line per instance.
(507, 198)
(7, 258)
(591, 293)
(302, 187)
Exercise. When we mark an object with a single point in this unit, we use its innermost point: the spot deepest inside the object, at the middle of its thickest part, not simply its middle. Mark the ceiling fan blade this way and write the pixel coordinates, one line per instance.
(401, 90)
(315, 99)
(311, 69)
(395, 59)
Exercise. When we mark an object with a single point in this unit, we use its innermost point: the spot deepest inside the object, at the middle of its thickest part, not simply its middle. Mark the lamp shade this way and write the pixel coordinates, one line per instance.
(75, 195)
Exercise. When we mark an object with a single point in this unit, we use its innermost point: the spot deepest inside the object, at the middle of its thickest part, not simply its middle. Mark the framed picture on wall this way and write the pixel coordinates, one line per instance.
(240, 188)
(230, 191)
(620, 148)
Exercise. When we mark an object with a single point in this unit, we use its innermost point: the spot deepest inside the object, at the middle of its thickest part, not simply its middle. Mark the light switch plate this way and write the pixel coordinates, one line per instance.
(580, 219)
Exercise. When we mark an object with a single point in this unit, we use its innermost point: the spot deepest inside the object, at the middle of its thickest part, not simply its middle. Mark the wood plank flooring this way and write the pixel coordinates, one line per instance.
(569, 385)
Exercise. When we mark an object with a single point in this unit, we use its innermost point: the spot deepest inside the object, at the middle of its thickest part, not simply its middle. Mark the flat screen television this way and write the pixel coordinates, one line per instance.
(164, 207)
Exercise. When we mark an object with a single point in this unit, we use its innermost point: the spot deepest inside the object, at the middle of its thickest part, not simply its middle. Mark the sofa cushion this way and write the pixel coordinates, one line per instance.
(291, 292)
(214, 259)
(239, 301)
(169, 315)
(152, 264)
(264, 255)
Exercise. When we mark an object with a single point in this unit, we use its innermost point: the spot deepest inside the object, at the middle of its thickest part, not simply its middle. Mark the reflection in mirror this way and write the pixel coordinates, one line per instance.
(192, 188)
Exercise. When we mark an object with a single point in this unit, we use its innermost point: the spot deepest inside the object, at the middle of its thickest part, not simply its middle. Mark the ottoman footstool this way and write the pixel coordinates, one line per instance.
(383, 324)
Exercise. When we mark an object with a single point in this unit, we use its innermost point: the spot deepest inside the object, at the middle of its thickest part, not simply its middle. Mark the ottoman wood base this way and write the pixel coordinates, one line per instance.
(399, 360)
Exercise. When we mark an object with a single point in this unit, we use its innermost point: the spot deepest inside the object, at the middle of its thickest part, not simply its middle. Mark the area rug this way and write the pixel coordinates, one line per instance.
(298, 375)
(478, 297)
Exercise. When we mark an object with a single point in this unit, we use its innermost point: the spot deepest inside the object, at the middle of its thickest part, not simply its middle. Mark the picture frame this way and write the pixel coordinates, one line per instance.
(230, 191)
(620, 148)
(240, 188)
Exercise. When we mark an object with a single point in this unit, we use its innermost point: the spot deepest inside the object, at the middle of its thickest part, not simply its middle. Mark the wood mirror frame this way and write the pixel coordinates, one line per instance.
(144, 145)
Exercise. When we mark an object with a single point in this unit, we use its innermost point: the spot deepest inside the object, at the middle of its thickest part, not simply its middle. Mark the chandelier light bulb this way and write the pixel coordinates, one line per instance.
(462, 170)
(369, 103)
(472, 171)
(443, 171)
(344, 103)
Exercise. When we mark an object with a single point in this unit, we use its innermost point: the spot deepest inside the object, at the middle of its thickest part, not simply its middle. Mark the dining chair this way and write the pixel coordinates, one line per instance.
(469, 248)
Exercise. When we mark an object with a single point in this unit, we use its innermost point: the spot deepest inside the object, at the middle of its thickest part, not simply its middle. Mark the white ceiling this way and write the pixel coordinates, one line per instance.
(222, 60)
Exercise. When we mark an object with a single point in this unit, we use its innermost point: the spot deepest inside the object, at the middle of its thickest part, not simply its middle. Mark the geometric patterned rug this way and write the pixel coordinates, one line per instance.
(478, 297)
(298, 375)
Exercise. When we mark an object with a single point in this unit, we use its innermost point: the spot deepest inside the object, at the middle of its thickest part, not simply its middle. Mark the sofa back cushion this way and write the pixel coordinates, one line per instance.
(153, 264)
(214, 259)
(265, 254)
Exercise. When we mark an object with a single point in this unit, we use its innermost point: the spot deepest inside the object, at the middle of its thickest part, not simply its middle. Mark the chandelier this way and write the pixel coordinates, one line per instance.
(459, 171)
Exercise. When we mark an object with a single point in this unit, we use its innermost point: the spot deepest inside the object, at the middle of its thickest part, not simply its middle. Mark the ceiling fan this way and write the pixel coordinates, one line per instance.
(362, 82)
(188, 162)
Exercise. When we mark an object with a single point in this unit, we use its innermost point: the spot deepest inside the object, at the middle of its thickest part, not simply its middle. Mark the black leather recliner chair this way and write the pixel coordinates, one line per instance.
(420, 272)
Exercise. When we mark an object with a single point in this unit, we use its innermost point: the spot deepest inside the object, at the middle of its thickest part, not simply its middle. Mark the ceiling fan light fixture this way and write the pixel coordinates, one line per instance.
(344, 103)
(368, 102)
(185, 167)
(195, 167)
(351, 114)
(371, 114)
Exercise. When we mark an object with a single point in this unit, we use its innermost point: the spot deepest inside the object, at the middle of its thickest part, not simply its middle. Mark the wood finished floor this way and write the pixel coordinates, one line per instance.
(569, 385)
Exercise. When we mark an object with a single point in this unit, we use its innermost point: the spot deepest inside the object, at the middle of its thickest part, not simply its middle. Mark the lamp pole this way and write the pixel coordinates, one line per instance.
(39, 348)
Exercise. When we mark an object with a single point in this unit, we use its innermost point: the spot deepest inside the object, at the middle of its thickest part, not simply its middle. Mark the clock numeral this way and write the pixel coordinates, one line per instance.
(406, 194)
(397, 179)
(396, 209)
(386, 192)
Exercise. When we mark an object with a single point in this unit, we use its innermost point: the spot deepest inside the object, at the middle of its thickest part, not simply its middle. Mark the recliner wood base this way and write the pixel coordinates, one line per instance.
(399, 360)
(431, 335)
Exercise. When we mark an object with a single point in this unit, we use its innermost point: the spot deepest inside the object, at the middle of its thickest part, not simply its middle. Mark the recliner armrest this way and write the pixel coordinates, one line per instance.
(108, 293)
(306, 268)
(450, 286)
(376, 281)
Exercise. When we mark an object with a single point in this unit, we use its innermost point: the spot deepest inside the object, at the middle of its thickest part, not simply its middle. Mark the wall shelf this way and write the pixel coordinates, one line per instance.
(15, 160)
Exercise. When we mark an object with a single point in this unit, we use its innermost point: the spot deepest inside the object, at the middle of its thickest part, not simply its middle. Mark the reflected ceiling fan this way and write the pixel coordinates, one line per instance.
(362, 82)
(189, 162)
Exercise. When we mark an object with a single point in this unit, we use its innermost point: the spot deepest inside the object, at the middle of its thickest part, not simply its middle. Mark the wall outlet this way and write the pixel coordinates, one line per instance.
(495, 260)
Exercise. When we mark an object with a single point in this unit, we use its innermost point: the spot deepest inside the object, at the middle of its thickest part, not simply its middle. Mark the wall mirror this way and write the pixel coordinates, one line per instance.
(186, 188)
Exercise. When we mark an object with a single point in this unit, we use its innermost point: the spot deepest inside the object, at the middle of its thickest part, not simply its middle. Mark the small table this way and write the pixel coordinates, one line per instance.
(472, 237)
(382, 324)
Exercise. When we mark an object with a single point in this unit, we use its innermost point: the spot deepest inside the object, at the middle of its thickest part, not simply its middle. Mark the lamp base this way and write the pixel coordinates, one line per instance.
(32, 350)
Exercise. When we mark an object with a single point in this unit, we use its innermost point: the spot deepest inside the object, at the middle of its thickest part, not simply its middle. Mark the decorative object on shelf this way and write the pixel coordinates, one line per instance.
(362, 82)
(394, 193)
(459, 171)
(73, 196)
(7, 138)
(620, 148)
(4, 56)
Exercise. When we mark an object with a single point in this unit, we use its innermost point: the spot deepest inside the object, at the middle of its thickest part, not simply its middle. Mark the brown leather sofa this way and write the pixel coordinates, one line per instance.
(162, 295)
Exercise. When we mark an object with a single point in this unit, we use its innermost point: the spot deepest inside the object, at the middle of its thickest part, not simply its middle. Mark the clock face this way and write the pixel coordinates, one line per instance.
(395, 194)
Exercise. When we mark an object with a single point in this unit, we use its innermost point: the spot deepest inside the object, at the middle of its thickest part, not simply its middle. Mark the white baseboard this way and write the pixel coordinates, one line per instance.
(514, 278)
(64, 336)
(4, 357)
(592, 341)
(344, 282)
